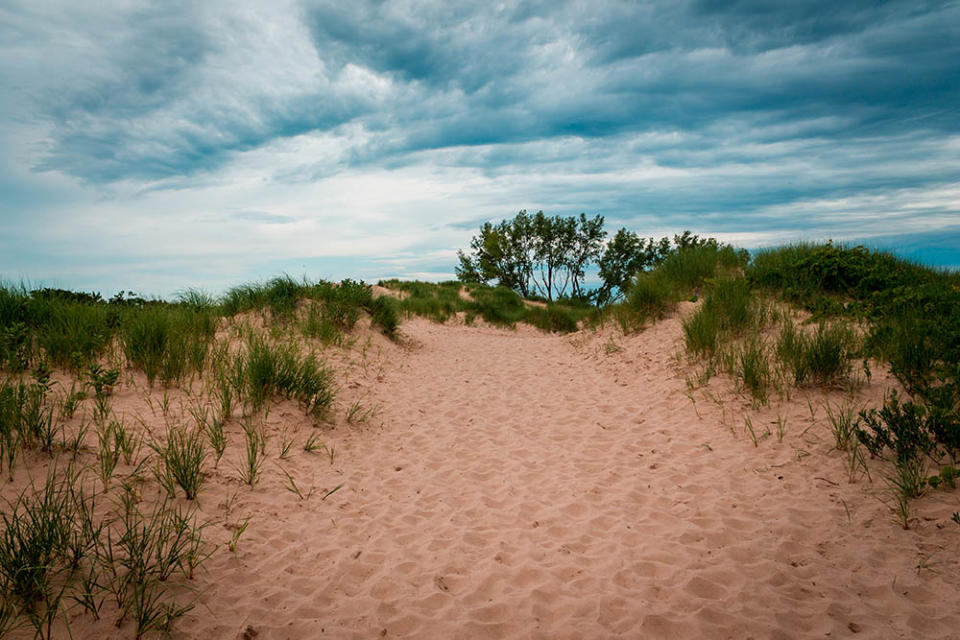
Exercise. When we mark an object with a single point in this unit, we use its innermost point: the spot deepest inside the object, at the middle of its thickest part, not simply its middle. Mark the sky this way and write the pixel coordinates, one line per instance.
(161, 146)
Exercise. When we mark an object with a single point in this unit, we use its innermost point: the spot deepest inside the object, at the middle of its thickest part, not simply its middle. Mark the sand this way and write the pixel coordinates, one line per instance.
(514, 484)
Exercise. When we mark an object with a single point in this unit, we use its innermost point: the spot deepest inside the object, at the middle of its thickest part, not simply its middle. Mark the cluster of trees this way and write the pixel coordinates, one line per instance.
(534, 254)
(547, 256)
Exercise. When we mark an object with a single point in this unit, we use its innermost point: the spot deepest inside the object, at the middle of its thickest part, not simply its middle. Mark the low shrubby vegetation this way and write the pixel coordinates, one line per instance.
(113, 529)
(499, 306)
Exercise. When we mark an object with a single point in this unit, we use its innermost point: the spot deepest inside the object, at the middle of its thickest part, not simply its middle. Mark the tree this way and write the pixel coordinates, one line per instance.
(624, 257)
(534, 253)
(587, 247)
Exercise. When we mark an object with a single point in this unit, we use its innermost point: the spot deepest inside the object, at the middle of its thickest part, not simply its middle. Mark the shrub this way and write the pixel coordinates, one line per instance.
(651, 295)
(727, 310)
(822, 357)
(499, 306)
(753, 369)
(167, 341)
(270, 370)
(383, 314)
(554, 318)
(689, 267)
(908, 429)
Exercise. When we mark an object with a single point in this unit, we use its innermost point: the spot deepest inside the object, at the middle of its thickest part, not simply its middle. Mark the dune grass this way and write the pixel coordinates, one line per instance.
(499, 306)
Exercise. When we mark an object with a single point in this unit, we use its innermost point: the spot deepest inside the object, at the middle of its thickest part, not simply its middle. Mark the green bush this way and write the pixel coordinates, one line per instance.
(727, 310)
(823, 357)
(384, 314)
(753, 368)
(651, 294)
(689, 267)
(554, 318)
(168, 341)
(499, 306)
(270, 370)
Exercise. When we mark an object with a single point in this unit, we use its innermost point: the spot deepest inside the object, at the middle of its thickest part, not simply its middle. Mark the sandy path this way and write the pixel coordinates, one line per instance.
(520, 487)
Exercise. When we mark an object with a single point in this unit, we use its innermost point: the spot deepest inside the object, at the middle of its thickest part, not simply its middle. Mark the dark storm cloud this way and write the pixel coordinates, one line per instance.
(754, 116)
(159, 102)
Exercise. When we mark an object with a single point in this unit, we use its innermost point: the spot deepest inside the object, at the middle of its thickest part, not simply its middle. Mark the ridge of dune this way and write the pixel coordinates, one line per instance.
(524, 485)
(518, 484)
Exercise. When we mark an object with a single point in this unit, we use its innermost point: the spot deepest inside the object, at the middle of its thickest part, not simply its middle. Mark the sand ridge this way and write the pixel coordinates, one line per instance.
(525, 485)
(517, 484)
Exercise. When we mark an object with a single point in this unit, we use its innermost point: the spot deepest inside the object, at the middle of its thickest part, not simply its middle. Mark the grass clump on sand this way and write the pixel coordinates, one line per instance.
(277, 369)
(499, 306)
(55, 549)
(168, 342)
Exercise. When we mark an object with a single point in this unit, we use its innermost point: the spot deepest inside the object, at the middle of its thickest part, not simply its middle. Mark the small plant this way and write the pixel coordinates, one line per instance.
(238, 530)
(148, 550)
(217, 438)
(292, 487)
(843, 426)
(908, 429)
(947, 478)
(357, 414)
(901, 509)
(748, 423)
(856, 461)
(781, 427)
(71, 402)
(255, 449)
(109, 452)
(313, 443)
(102, 381)
(45, 541)
(286, 443)
(610, 347)
(822, 357)
(752, 368)
(906, 482)
(183, 455)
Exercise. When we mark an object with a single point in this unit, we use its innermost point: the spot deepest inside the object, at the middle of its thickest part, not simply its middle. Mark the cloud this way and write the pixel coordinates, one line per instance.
(156, 134)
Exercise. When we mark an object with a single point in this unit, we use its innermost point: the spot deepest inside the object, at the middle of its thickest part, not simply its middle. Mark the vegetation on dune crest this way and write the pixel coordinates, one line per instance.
(113, 530)
(864, 305)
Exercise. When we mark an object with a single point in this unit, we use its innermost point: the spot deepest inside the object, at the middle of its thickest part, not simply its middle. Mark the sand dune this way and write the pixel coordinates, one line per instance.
(515, 484)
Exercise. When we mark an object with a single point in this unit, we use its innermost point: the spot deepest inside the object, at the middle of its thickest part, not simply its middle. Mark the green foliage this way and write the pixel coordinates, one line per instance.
(42, 546)
(499, 306)
(439, 302)
(651, 295)
(67, 329)
(822, 357)
(728, 309)
(623, 258)
(279, 295)
(183, 455)
(168, 341)
(752, 368)
(909, 429)
(255, 453)
(71, 332)
(696, 259)
(384, 314)
(270, 370)
(26, 419)
(554, 318)
(319, 324)
(534, 254)
(843, 425)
